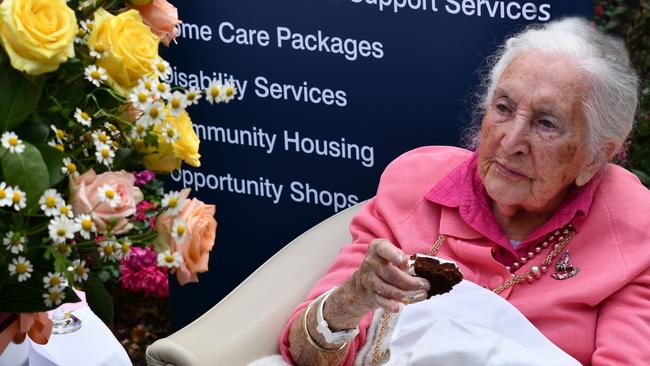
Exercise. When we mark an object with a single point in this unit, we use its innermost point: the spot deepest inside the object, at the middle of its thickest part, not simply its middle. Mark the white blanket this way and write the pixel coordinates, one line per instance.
(470, 326)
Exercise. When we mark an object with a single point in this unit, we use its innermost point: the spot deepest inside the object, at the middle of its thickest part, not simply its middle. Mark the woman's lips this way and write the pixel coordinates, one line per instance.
(510, 173)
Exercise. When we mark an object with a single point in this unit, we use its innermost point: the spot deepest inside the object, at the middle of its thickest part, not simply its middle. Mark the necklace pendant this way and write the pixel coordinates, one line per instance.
(564, 268)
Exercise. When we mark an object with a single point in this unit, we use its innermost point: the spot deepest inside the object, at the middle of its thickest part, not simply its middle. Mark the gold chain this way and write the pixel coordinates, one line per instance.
(436, 246)
(546, 262)
(378, 355)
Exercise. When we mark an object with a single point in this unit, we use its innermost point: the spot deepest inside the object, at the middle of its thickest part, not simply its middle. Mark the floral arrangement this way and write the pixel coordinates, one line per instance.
(88, 121)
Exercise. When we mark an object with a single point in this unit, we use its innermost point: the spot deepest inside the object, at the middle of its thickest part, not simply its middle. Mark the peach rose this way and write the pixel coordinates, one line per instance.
(162, 18)
(85, 198)
(198, 239)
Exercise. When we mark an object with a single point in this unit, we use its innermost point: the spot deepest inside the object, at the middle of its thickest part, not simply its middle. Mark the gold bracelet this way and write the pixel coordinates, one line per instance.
(312, 340)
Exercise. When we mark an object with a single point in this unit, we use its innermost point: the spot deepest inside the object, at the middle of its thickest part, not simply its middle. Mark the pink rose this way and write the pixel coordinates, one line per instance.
(162, 18)
(85, 198)
(198, 239)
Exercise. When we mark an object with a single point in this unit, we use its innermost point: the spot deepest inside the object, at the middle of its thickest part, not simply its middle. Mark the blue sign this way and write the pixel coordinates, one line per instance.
(328, 93)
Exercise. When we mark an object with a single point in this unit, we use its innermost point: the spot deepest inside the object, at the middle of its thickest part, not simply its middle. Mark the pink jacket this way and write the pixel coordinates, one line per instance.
(601, 316)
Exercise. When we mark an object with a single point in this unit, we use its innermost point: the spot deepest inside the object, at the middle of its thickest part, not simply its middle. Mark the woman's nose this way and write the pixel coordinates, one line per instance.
(514, 140)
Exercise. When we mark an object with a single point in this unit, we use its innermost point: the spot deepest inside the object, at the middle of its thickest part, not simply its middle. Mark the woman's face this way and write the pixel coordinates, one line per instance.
(534, 134)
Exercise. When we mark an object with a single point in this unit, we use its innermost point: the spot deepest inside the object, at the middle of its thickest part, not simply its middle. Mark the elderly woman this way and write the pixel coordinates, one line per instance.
(536, 213)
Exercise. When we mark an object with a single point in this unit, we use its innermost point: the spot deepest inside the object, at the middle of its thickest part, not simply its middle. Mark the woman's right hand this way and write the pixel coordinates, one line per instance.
(380, 281)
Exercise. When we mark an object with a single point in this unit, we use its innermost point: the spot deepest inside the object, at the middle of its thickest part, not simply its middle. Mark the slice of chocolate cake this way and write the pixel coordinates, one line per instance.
(442, 274)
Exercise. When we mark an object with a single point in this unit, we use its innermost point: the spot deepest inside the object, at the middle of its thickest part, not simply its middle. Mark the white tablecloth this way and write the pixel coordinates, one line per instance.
(93, 344)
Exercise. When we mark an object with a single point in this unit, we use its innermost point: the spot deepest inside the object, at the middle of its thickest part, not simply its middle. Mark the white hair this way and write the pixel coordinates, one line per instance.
(611, 103)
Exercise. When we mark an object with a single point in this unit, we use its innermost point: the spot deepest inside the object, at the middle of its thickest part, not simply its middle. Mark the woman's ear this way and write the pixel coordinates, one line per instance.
(589, 171)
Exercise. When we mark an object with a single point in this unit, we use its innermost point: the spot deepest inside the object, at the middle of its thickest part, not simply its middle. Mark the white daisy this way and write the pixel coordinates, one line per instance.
(229, 91)
(65, 210)
(96, 75)
(81, 35)
(13, 242)
(162, 90)
(148, 83)
(55, 279)
(169, 133)
(6, 194)
(154, 113)
(173, 202)
(98, 51)
(107, 194)
(169, 259)
(61, 229)
(101, 137)
(214, 92)
(50, 201)
(69, 167)
(79, 270)
(140, 97)
(124, 248)
(161, 68)
(21, 267)
(104, 154)
(140, 129)
(57, 145)
(192, 96)
(87, 25)
(108, 249)
(11, 142)
(18, 198)
(59, 134)
(54, 296)
(86, 225)
(82, 117)
(111, 129)
(176, 103)
(179, 229)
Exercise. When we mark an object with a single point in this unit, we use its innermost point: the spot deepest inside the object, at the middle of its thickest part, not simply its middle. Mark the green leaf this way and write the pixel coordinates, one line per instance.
(53, 158)
(99, 300)
(17, 298)
(3, 57)
(123, 157)
(19, 96)
(33, 131)
(27, 170)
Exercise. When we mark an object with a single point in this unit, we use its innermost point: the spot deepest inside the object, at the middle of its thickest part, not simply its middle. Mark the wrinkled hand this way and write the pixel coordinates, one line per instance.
(380, 281)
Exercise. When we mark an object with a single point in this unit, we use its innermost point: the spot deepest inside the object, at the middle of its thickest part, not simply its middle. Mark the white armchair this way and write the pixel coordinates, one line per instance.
(246, 324)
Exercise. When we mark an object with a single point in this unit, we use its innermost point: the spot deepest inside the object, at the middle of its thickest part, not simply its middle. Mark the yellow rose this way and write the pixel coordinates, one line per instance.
(128, 46)
(38, 35)
(167, 157)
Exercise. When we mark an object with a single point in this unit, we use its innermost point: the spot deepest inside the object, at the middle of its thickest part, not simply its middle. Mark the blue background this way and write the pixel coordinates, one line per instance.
(419, 93)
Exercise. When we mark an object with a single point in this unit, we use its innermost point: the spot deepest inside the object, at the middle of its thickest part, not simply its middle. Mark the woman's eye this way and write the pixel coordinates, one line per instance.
(503, 107)
(547, 123)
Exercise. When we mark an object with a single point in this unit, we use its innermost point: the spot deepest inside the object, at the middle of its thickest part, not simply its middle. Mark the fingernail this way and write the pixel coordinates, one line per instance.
(414, 297)
(420, 296)
(400, 259)
(425, 285)
(394, 308)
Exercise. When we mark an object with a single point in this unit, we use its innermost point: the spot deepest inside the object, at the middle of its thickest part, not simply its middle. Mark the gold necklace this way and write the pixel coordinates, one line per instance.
(563, 237)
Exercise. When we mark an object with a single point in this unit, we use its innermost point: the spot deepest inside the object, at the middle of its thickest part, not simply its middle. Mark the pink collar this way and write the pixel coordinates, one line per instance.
(463, 189)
